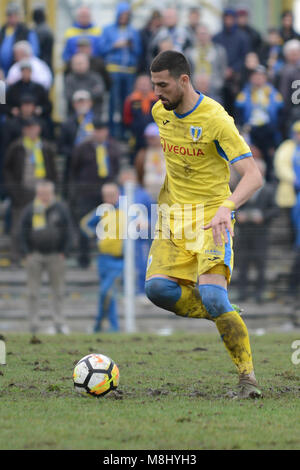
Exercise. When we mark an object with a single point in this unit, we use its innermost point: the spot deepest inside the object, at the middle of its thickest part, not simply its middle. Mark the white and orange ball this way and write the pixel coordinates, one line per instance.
(95, 374)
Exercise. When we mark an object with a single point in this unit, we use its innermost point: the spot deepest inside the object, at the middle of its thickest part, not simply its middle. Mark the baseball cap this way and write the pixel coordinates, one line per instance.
(81, 95)
(25, 64)
(151, 130)
(12, 8)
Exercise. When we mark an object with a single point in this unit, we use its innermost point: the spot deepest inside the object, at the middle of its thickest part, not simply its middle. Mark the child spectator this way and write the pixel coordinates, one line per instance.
(109, 227)
(137, 110)
(150, 162)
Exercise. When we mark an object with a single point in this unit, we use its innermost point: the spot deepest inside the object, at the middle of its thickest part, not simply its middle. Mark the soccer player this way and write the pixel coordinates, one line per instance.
(189, 276)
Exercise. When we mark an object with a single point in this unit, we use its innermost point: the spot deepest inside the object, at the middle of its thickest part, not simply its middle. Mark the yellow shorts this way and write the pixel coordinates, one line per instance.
(179, 258)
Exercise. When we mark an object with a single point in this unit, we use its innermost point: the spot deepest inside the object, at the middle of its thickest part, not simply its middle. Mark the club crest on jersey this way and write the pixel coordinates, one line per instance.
(196, 133)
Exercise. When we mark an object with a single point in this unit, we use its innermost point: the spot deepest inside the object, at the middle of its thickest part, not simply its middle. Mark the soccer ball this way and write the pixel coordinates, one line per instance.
(95, 374)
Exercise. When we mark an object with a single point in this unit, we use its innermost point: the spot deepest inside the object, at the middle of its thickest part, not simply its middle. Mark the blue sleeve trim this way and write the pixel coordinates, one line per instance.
(241, 157)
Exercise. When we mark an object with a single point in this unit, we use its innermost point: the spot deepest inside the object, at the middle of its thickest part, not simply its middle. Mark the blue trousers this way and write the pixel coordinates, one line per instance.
(109, 268)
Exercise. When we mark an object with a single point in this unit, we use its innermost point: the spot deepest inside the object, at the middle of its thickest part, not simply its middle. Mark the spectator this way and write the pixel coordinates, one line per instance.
(94, 162)
(137, 110)
(236, 44)
(11, 33)
(44, 33)
(194, 17)
(287, 31)
(27, 161)
(75, 130)
(258, 110)
(82, 78)
(97, 65)
(12, 126)
(271, 54)
(82, 27)
(45, 236)
(290, 74)
(27, 87)
(251, 64)
(254, 220)
(286, 167)
(40, 71)
(254, 38)
(120, 47)
(150, 162)
(143, 242)
(147, 34)
(209, 59)
(177, 35)
(110, 259)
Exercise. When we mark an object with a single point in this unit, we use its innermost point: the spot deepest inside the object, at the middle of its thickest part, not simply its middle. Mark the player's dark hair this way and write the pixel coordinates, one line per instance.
(173, 61)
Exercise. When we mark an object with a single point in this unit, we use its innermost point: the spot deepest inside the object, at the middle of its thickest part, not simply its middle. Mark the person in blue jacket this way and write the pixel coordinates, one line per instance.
(12, 32)
(108, 225)
(120, 47)
(82, 27)
(259, 111)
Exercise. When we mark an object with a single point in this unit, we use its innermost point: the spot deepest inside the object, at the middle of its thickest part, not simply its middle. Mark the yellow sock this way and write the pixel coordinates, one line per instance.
(236, 339)
(190, 304)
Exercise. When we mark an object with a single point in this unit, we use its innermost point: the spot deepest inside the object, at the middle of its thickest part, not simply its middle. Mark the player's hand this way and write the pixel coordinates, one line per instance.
(220, 224)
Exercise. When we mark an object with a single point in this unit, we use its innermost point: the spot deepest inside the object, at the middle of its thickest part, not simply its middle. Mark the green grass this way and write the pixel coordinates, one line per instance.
(172, 395)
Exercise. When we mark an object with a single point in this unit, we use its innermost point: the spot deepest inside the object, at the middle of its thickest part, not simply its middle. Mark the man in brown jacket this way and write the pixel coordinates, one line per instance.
(28, 160)
(94, 162)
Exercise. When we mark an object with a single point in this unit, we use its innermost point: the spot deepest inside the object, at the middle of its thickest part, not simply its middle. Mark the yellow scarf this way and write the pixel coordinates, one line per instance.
(39, 215)
(101, 157)
(112, 227)
(203, 65)
(35, 148)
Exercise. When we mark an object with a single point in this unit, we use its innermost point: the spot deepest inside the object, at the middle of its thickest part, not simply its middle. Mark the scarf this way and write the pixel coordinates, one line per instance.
(36, 156)
(102, 161)
(38, 215)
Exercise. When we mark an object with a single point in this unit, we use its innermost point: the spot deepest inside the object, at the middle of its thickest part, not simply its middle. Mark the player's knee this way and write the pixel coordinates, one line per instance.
(163, 292)
(215, 299)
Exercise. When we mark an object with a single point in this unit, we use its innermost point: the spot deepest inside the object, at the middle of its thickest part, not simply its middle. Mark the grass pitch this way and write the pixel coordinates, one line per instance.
(170, 395)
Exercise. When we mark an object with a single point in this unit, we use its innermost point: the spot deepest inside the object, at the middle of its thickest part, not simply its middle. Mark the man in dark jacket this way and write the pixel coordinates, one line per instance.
(45, 239)
(236, 44)
(94, 162)
(254, 220)
(26, 87)
(255, 40)
(12, 32)
(44, 33)
(27, 161)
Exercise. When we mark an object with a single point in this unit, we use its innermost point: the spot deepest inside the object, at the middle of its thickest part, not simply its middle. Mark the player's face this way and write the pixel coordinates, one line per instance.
(168, 89)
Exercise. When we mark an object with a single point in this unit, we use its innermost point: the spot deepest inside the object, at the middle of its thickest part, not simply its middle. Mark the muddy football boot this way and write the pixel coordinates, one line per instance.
(247, 388)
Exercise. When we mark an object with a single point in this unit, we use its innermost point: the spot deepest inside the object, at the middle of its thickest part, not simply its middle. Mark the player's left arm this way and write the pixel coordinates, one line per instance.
(250, 182)
(232, 146)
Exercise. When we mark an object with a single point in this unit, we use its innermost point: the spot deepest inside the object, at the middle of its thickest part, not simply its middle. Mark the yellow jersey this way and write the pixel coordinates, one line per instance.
(198, 147)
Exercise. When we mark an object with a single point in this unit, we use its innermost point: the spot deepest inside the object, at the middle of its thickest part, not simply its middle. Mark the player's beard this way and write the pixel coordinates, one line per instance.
(171, 105)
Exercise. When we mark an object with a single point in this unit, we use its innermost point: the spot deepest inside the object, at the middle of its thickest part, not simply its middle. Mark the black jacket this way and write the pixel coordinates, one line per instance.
(56, 237)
